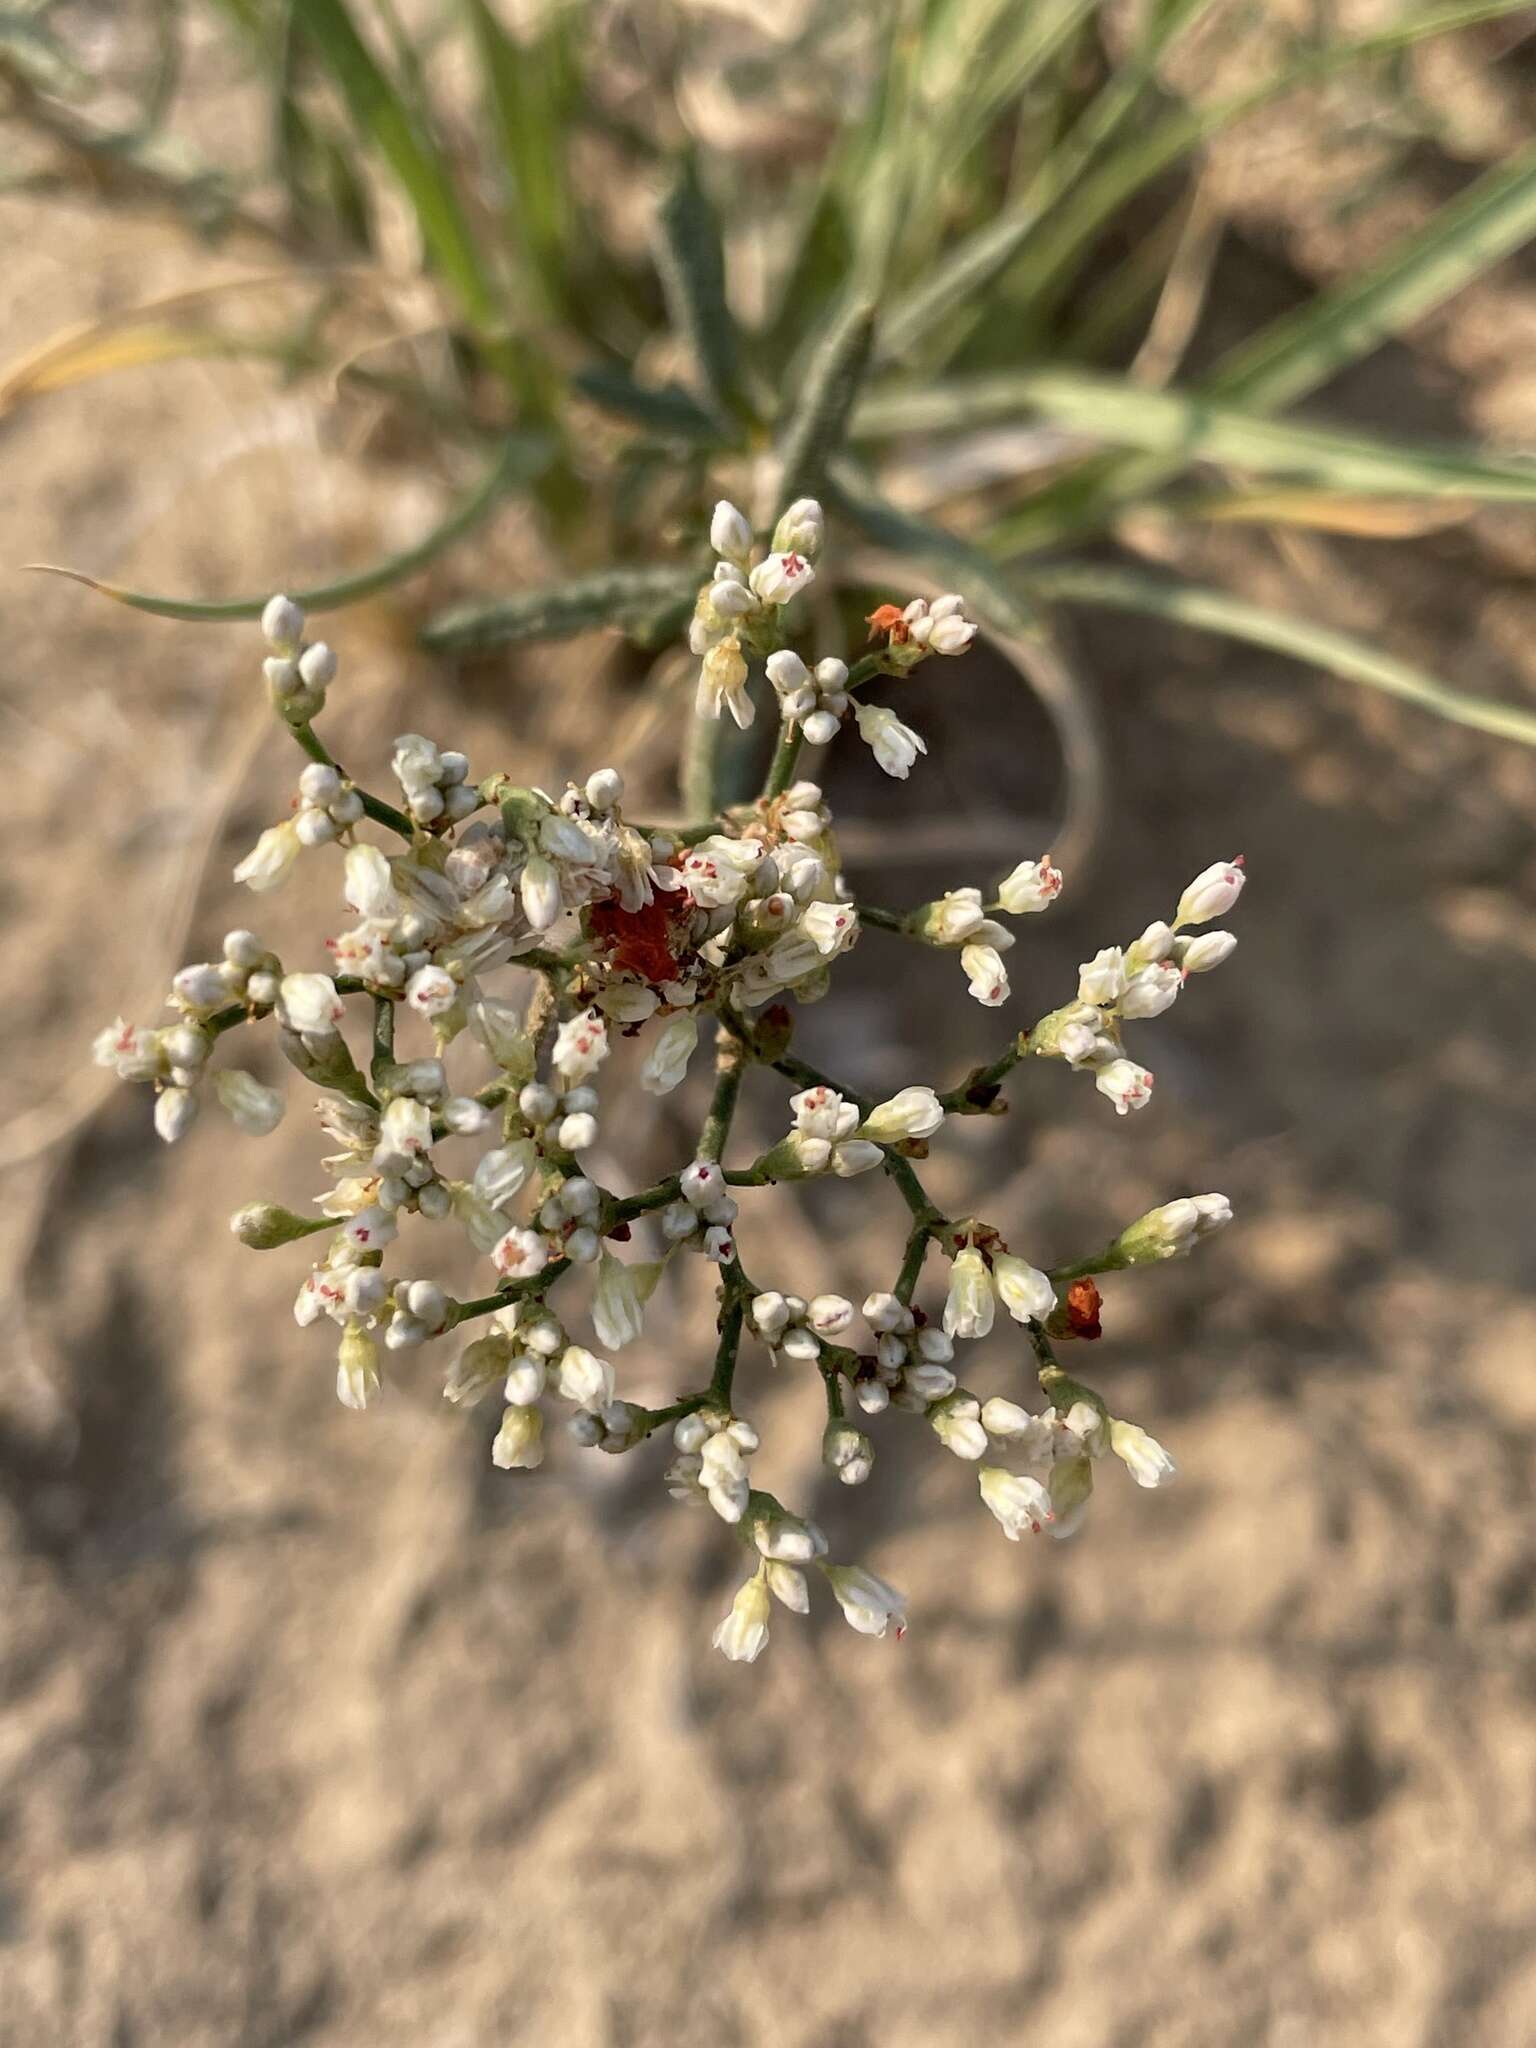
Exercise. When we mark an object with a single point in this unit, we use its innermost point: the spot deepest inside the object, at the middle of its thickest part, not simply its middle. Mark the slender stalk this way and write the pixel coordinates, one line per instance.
(886, 920)
(978, 1091)
(373, 807)
(383, 1035)
(731, 1056)
(731, 1314)
(701, 768)
(781, 769)
(912, 1264)
(514, 1290)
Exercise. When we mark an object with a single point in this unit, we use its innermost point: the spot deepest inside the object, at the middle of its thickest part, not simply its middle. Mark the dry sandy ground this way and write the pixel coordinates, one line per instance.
(315, 1728)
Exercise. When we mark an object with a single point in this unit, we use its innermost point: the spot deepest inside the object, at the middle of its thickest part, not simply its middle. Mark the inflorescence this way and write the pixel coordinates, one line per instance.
(649, 932)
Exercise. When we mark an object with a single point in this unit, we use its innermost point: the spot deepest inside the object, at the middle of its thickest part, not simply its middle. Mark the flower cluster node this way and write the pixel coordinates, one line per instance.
(449, 1092)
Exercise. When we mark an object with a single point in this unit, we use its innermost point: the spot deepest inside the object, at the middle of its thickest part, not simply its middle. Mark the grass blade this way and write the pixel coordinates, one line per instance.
(816, 424)
(615, 597)
(690, 258)
(521, 457)
(1215, 611)
(665, 410)
(380, 114)
(528, 95)
(1193, 428)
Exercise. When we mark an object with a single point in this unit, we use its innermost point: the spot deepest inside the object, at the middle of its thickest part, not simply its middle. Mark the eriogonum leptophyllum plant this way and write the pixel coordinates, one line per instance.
(669, 935)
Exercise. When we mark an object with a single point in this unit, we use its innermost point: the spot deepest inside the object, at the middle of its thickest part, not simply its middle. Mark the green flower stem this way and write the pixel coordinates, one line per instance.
(912, 1264)
(515, 1290)
(731, 1055)
(979, 1090)
(373, 807)
(886, 920)
(832, 1381)
(628, 1207)
(781, 769)
(383, 1036)
(700, 775)
(732, 1311)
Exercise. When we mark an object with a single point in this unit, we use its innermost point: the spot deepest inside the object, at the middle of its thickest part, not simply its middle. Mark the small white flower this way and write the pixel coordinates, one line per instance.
(539, 887)
(729, 533)
(895, 746)
(431, 992)
(957, 1424)
(666, 1063)
(1199, 956)
(1211, 894)
(175, 1110)
(1173, 1229)
(1101, 980)
(953, 918)
(519, 1443)
(1127, 1085)
(787, 1585)
(1143, 1456)
(616, 1312)
(868, 1603)
(969, 1306)
(743, 1634)
(718, 871)
(1023, 1289)
(308, 1003)
(585, 1379)
(581, 1045)
(520, 1253)
(405, 1133)
(781, 576)
(256, 1110)
(268, 862)
(282, 625)
(357, 1367)
(1019, 1502)
(913, 1113)
(1026, 1433)
(830, 927)
(1031, 886)
(788, 673)
(1151, 990)
(828, 1314)
(802, 529)
(130, 1050)
(987, 977)
(942, 626)
(723, 684)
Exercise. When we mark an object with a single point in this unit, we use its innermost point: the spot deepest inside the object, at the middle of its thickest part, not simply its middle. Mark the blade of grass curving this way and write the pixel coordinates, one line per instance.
(520, 459)
(690, 258)
(1193, 428)
(816, 423)
(381, 115)
(615, 597)
(996, 593)
(528, 92)
(1065, 230)
(1216, 611)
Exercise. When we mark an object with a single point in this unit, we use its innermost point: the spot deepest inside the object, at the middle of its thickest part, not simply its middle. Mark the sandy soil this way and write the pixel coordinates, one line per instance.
(318, 1729)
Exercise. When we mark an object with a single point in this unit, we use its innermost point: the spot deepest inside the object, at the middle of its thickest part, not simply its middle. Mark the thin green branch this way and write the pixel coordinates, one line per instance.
(373, 807)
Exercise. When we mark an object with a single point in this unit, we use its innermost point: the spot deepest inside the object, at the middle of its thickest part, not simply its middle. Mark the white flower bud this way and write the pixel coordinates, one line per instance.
(405, 1332)
(929, 1382)
(1212, 893)
(268, 862)
(527, 1375)
(319, 783)
(854, 1156)
(577, 1133)
(431, 992)
(1127, 1085)
(743, 1634)
(802, 529)
(770, 1315)
(581, 1046)
(666, 1063)
(282, 625)
(868, 1603)
(256, 1110)
(1143, 1456)
(1031, 886)
(357, 1367)
(1019, 1503)
(1024, 1291)
(885, 1312)
(895, 746)
(956, 1422)
(582, 1246)
(787, 1585)
(1151, 990)
(1101, 980)
(309, 1004)
(175, 1110)
(848, 1452)
(604, 788)
(986, 975)
(873, 1396)
(314, 828)
(820, 728)
(968, 1308)
(519, 1443)
(1200, 955)
(830, 1314)
(537, 1104)
(1171, 1231)
(520, 1254)
(346, 809)
(584, 1378)
(913, 1113)
(729, 533)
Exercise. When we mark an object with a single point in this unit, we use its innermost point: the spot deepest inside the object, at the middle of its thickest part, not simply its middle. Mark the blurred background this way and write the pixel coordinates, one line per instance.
(316, 1728)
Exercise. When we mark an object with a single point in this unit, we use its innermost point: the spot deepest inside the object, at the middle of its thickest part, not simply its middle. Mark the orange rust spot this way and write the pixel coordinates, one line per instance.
(1083, 1304)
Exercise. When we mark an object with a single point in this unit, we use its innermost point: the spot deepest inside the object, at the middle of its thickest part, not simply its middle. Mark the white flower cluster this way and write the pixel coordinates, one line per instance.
(477, 1104)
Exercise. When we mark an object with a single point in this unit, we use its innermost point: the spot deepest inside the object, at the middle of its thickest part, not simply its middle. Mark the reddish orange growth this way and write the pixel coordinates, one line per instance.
(640, 941)
(886, 623)
(1083, 1304)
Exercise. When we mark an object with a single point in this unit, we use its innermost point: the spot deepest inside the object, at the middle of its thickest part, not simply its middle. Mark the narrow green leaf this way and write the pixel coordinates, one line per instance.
(615, 597)
(690, 258)
(379, 113)
(1215, 611)
(1296, 353)
(816, 422)
(521, 457)
(996, 595)
(1195, 429)
(665, 409)
(528, 91)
